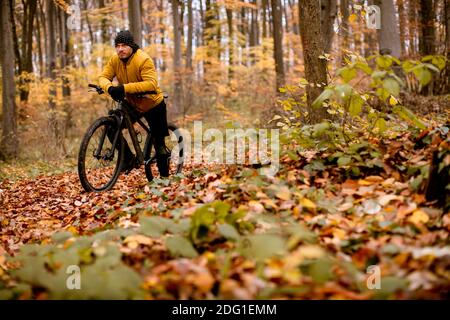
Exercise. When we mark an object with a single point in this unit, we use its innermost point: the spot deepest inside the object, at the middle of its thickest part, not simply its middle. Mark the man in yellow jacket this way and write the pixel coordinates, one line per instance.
(135, 72)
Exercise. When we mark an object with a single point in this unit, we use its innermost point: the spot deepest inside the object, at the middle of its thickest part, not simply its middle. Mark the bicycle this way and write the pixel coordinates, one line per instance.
(107, 156)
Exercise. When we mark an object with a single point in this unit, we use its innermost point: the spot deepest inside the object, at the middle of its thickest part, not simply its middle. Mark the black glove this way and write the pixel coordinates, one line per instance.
(117, 92)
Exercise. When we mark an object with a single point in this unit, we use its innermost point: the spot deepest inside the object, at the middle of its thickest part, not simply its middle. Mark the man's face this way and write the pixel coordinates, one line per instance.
(123, 51)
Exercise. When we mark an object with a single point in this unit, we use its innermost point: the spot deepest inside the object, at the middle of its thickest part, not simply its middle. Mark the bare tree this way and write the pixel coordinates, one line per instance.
(189, 36)
(402, 25)
(344, 28)
(328, 15)
(9, 142)
(312, 42)
(177, 55)
(51, 69)
(278, 42)
(389, 34)
(427, 38)
(229, 13)
(23, 48)
(135, 20)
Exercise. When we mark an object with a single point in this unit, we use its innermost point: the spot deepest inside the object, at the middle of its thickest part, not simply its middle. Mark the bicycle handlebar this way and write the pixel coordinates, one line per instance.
(100, 90)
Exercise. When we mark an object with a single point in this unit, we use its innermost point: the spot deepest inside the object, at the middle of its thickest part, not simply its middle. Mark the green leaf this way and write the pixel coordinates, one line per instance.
(422, 74)
(320, 128)
(390, 285)
(299, 233)
(228, 231)
(321, 270)
(380, 123)
(362, 65)
(408, 65)
(154, 226)
(347, 73)
(431, 67)
(262, 246)
(379, 74)
(325, 95)
(406, 114)
(180, 246)
(392, 86)
(439, 61)
(343, 161)
(355, 106)
(344, 91)
(62, 236)
(221, 208)
(384, 62)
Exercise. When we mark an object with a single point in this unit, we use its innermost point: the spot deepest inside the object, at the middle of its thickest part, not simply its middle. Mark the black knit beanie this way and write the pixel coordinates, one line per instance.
(126, 37)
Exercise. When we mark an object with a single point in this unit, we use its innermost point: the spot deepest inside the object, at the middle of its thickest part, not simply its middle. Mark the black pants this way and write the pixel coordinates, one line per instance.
(156, 118)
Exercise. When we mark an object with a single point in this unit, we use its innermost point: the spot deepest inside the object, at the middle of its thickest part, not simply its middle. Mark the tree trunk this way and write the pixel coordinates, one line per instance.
(230, 43)
(103, 25)
(161, 23)
(427, 38)
(135, 21)
(9, 141)
(177, 56)
(447, 29)
(51, 66)
(264, 17)
(328, 15)
(66, 61)
(278, 43)
(294, 17)
(39, 45)
(25, 54)
(446, 72)
(344, 29)
(312, 42)
(412, 30)
(189, 37)
(91, 33)
(254, 31)
(402, 25)
(388, 35)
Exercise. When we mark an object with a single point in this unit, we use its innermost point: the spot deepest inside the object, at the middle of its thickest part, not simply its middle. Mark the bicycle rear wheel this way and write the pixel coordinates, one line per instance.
(175, 147)
(98, 165)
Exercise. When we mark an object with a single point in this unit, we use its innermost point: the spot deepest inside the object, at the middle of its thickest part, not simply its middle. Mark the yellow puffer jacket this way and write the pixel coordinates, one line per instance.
(137, 75)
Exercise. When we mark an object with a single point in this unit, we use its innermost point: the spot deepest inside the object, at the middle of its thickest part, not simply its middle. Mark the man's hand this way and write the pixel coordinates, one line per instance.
(117, 92)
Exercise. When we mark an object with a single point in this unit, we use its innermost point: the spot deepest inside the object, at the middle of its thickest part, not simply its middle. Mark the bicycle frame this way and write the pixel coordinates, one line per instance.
(122, 118)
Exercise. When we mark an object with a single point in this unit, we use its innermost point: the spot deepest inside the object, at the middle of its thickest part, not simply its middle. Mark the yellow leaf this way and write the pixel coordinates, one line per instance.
(352, 18)
(307, 203)
(134, 240)
(419, 216)
(393, 101)
(339, 233)
(141, 196)
(73, 230)
(363, 182)
(311, 252)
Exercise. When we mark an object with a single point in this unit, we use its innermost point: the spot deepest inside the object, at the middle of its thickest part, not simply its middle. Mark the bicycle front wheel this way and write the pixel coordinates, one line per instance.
(99, 165)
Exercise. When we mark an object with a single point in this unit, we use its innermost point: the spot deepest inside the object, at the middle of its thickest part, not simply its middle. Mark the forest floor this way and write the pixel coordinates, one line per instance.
(314, 231)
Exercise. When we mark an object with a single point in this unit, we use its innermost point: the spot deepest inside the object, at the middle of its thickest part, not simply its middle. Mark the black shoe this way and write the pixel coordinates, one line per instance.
(129, 165)
(162, 161)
